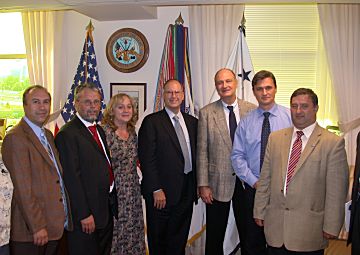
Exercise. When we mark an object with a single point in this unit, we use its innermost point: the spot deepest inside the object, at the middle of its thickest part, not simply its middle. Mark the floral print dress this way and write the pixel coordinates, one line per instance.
(128, 234)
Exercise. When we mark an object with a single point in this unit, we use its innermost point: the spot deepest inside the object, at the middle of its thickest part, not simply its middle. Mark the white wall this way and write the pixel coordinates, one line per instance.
(72, 41)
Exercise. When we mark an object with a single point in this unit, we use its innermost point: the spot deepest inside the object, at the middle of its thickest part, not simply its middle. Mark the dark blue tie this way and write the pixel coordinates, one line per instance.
(232, 122)
(265, 132)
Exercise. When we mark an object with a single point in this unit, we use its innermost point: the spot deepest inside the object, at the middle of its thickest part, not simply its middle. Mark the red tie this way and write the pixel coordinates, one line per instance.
(294, 157)
(97, 139)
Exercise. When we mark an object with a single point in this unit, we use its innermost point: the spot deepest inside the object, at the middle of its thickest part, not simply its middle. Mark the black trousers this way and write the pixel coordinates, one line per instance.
(168, 228)
(96, 243)
(283, 251)
(252, 238)
(217, 215)
(355, 242)
(29, 248)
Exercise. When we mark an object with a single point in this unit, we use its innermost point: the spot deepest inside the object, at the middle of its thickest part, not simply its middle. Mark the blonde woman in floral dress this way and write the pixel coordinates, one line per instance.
(119, 124)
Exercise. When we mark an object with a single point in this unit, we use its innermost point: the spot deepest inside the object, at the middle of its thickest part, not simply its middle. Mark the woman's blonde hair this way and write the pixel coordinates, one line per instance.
(108, 118)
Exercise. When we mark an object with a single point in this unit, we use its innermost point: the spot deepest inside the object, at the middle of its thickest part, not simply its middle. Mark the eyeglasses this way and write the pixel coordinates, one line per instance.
(170, 93)
(89, 102)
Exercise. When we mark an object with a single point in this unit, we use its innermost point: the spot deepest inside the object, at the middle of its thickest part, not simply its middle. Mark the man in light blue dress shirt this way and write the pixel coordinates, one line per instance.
(246, 157)
(40, 204)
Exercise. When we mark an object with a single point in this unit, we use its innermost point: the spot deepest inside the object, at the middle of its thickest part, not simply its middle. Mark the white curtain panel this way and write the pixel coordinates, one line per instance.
(340, 28)
(213, 32)
(40, 30)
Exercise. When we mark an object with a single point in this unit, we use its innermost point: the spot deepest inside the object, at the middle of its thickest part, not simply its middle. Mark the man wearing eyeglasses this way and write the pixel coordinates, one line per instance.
(88, 176)
(167, 141)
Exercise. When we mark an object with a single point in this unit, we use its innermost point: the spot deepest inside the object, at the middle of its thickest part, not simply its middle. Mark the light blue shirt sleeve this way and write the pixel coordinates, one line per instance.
(245, 156)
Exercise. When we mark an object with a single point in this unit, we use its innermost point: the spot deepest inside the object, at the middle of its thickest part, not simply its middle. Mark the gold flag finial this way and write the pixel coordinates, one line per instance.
(179, 20)
(90, 27)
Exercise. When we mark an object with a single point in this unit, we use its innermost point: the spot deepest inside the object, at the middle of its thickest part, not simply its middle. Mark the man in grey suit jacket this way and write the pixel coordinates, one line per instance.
(300, 202)
(216, 179)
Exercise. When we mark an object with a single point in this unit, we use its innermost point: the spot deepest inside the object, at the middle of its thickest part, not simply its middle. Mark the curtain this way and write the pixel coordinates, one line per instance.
(328, 112)
(40, 31)
(340, 28)
(213, 32)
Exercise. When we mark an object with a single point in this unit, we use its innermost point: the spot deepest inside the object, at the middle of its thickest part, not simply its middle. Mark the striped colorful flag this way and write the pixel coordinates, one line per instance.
(175, 65)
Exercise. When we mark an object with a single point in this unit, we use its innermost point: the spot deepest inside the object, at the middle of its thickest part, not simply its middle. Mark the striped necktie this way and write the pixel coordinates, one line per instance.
(294, 157)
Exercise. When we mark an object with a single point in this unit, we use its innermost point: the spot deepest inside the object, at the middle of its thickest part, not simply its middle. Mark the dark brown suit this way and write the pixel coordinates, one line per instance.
(37, 201)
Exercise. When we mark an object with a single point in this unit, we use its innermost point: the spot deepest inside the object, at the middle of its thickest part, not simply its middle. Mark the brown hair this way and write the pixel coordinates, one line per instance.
(33, 87)
(261, 75)
(305, 91)
(108, 118)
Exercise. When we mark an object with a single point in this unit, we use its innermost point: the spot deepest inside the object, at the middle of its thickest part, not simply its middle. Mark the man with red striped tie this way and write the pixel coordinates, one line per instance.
(303, 184)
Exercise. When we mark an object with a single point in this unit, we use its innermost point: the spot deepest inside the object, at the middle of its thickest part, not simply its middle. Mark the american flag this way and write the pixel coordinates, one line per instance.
(86, 72)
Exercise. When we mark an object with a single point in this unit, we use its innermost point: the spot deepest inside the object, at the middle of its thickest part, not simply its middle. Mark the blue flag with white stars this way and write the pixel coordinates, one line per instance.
(86, 72)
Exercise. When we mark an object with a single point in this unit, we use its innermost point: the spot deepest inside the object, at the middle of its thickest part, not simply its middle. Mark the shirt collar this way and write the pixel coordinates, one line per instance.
(307, 131)
(172, 114)
(34, 127)
(85, 122)
(272, 111)
(234, 105)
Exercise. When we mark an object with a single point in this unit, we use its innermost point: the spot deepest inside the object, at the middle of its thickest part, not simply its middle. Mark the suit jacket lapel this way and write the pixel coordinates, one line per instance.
(310, 146)
(286, 147)
(84, 131)
(220, 120)
(191, 137)
(168, 126)
(53, 148)
(103, 138)
(36, 142)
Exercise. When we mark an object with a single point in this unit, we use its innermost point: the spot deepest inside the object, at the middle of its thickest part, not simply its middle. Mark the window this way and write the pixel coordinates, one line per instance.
(285, 39)
(13, 67)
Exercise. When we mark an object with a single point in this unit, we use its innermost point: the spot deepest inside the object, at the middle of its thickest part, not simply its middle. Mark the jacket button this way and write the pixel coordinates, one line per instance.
(61, 200)
(57, 181)
(233, 174)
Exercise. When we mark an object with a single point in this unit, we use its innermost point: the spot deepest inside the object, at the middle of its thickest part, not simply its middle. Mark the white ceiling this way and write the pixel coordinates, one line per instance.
(103, 10)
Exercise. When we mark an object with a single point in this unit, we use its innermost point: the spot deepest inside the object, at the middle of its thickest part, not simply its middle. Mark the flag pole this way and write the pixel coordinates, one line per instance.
(242, 30)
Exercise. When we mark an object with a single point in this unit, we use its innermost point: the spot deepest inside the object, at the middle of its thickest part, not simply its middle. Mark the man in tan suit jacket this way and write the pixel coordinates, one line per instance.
(39, 204)
(301, 202)
(216, 178)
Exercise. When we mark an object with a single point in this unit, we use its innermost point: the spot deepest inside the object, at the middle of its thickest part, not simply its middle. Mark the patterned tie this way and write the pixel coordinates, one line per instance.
(265, 132)
(294, 157)
(45, 143)
(180, 134)
(232, 122)
(97, 139)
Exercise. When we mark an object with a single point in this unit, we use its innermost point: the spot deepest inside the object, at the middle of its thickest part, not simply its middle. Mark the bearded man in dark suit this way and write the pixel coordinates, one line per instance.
(88, 175)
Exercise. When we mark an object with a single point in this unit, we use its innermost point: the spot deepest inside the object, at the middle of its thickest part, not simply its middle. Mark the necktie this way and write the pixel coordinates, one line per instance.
(97, 139)
(45, 143)
(232, 122)
(265, 132)
(294, 157)
(180, 134)
(47, 146)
